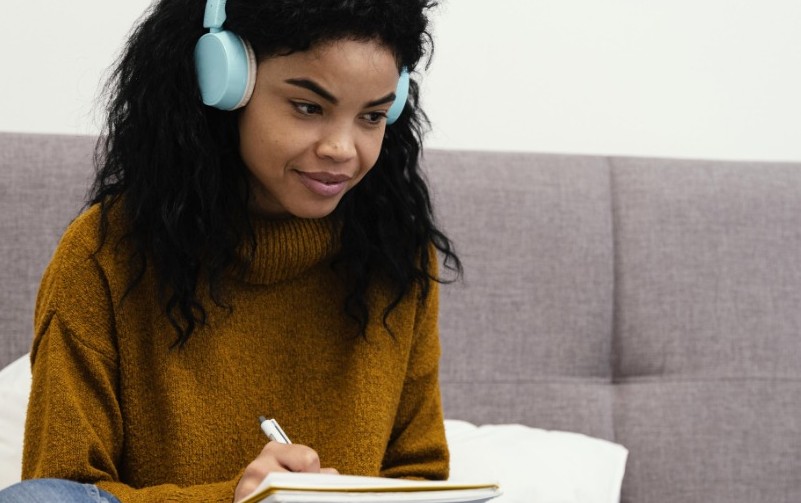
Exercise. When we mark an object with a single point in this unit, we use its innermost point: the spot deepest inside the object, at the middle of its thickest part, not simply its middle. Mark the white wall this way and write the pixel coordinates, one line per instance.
(53, 56)
(690, 78)
(679, 78)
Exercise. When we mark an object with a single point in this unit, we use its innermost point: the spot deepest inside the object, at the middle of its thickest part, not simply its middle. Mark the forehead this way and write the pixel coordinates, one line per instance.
(341, 66)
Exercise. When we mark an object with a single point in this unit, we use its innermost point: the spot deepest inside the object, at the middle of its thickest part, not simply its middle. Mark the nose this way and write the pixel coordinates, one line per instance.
(337, 144)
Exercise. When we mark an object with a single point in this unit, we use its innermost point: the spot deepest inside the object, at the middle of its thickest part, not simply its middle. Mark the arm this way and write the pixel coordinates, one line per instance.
(417, 448)
(75, 425)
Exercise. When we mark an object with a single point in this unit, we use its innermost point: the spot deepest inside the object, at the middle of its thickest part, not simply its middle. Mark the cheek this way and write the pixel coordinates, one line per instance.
(251, 138)
(266, 141)
(370, 150)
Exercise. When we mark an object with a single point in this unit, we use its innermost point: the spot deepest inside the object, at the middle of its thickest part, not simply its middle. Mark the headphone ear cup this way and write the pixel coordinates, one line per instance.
(226, 70)
(401, 95)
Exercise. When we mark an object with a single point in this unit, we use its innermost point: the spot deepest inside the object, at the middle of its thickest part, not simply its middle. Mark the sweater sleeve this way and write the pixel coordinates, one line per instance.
(75, 426)
(417, 447)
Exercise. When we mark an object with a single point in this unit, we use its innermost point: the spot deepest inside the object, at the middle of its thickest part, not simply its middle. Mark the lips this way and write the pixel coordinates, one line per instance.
(323, 183)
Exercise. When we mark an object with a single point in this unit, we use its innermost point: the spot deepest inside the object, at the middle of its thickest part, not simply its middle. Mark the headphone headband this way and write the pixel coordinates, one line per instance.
(214, 16)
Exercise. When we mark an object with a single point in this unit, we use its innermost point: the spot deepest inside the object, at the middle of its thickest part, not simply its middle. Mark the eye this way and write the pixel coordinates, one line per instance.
(307, 108)
(374, 118)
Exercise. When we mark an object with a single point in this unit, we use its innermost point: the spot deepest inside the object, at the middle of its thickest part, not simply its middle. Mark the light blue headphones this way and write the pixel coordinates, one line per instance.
(226, 66)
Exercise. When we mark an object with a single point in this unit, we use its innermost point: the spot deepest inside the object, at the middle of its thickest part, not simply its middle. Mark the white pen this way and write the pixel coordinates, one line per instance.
(273, 430)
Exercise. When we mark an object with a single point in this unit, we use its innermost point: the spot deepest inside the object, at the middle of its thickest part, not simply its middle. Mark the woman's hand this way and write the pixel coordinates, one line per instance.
(276, 457)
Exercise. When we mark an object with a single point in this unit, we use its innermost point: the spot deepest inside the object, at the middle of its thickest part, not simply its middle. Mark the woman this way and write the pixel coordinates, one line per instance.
(256, 244)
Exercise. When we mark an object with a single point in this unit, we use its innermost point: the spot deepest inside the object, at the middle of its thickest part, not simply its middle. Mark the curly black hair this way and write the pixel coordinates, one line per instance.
(175, 166)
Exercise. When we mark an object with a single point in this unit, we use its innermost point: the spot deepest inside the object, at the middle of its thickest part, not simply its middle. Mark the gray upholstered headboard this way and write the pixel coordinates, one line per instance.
(652, 302)
(43, 182)
(531, 324)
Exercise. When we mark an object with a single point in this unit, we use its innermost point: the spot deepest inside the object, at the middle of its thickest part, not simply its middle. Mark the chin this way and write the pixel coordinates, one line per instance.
(315, 211)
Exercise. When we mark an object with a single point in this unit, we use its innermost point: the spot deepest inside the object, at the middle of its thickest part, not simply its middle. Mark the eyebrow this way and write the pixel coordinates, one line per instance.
(320, 91)
(389, 98)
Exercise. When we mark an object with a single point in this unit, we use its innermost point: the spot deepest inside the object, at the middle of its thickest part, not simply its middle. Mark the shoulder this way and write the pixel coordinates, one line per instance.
(76, 246)
(96, 235)
(95, 227)
(87, 256)
(75, 285)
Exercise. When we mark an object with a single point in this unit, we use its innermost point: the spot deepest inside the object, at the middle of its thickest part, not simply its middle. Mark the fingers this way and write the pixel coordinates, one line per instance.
(247, 484)
(276, 457)
(292, 457)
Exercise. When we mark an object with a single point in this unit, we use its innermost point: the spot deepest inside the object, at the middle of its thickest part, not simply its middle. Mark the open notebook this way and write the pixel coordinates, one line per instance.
(290, 487)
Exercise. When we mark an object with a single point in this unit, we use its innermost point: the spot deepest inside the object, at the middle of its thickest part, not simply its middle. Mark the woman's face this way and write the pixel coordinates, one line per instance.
(314, 125)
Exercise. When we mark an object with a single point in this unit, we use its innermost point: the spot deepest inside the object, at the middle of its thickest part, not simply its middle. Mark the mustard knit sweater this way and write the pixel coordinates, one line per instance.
(111, 404)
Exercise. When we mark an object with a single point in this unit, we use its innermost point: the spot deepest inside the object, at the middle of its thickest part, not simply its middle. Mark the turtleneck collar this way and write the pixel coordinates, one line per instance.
(286, 248)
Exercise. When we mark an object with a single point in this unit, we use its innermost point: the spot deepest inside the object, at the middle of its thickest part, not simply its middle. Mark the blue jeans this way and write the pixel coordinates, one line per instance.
(56, 491)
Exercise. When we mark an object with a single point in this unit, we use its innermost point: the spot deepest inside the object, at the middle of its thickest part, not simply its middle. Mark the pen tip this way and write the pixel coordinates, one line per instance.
(262, 419)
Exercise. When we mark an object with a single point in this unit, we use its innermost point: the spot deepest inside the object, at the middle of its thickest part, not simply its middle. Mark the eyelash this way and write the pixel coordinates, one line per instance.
(308, 109)
(378, 117)
(302, 108)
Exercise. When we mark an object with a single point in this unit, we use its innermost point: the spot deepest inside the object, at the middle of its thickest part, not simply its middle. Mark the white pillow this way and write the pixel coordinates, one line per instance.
(15, 386)
(537, 465)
